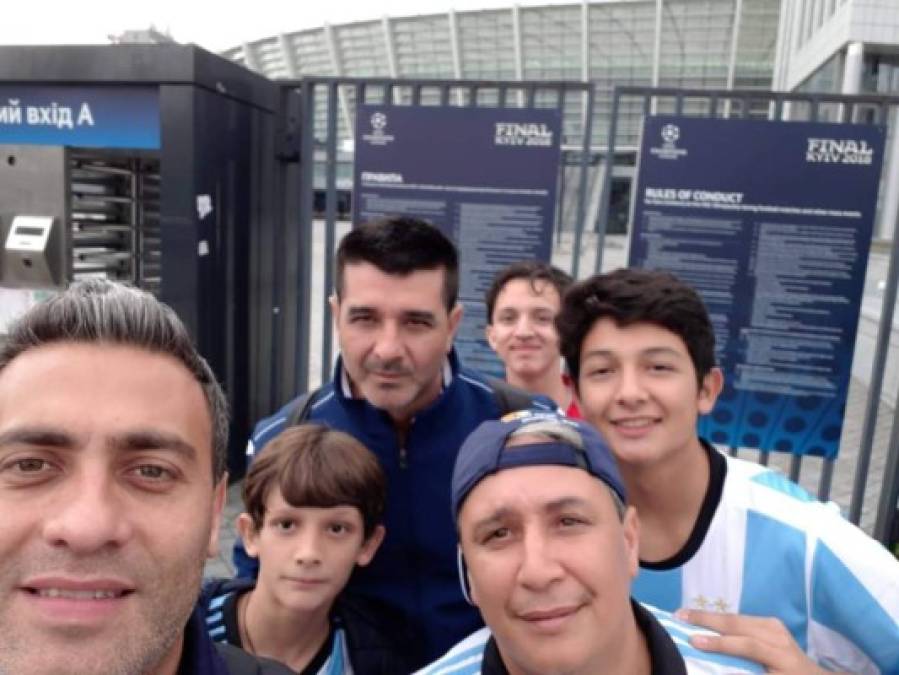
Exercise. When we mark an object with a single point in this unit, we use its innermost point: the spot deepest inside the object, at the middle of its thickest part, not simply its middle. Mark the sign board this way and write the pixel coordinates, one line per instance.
(771, 222)
(485, 176)
(85, 117)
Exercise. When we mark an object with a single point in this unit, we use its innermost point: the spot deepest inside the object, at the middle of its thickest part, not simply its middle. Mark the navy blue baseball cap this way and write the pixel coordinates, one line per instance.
(574, 443)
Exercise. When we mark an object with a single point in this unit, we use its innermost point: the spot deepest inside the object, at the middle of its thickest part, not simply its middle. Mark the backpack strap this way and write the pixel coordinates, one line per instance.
(509, 398)
(300, 411)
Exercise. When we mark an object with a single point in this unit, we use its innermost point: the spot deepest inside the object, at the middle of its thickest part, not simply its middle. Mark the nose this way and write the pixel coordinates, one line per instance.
(630, 387)
(523, 327)
(539, 566)
(307, 551)
(388, 344)
(89, 516)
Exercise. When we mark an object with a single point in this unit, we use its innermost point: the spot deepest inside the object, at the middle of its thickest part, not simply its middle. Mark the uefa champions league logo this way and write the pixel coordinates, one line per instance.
(378, 121)
(670, 133)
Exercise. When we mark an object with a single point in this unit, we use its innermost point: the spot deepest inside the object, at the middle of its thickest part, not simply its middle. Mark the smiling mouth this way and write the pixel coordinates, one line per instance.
(390, 375)
(635, 422)
(86, 605)
(82, 594)
(542, 615)
(72, 589)
(305, 582)
(549, 620)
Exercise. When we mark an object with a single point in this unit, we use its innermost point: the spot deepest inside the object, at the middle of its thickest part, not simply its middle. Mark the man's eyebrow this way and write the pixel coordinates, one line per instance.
(663, 351)
(44, 436)
(419, 315)
(495, 516)
(149, 439)
(652, 351)
(564, 503)
(360, 309)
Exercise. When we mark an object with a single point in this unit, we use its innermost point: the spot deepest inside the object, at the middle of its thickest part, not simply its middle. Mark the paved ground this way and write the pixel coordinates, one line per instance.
(615, 256)
(221, 566)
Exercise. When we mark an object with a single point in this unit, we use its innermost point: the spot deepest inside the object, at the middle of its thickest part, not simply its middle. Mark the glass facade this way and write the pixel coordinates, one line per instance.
(880, 74)
(696, 46)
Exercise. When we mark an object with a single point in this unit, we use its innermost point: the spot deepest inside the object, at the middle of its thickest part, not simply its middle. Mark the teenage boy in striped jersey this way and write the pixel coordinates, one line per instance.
(734, 545)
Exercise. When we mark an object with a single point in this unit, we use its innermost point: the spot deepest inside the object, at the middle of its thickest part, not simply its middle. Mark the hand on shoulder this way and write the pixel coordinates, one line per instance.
(762, 639)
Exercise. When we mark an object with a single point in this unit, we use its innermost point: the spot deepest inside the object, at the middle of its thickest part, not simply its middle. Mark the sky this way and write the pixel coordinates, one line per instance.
(213, 25)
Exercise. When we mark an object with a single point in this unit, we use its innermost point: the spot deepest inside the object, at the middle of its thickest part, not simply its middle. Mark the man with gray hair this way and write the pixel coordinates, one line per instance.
(113, 434)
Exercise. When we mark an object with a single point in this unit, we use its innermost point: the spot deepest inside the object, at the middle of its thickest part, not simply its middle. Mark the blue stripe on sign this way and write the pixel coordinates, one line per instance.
(842, 603)
(660, 588)
(782, 484)
(774, 574)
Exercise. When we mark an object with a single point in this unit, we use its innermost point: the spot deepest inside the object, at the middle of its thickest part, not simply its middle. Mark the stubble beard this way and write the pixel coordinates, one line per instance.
(136, 646)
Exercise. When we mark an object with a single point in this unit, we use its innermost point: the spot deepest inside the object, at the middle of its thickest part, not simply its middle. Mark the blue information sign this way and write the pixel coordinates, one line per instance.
(84, 117)
(771, 222)
(485, 176)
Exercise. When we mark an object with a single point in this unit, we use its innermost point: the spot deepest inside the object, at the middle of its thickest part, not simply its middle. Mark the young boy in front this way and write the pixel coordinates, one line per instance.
(314, 502)
(739, 548)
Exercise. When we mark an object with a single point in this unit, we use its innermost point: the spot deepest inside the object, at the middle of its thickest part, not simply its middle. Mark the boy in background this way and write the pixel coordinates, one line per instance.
(314, 503)
(522, 304)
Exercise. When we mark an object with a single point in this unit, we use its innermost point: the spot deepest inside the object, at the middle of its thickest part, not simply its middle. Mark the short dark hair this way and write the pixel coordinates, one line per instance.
(97, 311)
(315, 466)
(533, 271)
(401, 245)
(629, 296)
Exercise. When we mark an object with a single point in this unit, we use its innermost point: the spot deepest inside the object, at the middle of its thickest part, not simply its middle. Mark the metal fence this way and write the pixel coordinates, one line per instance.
(286, 323)
(312, 162)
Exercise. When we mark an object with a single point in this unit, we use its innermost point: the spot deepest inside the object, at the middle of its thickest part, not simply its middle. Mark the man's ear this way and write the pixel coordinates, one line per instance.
(630, 524)
(575, 396)
(370, 546)
(488, 333)
(712, 384)
(455, 318)
(334, 302)
(472, 591)
(248, 534)
(219, 496)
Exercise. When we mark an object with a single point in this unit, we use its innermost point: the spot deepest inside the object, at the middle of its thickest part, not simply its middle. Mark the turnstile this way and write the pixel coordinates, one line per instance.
(150, 164)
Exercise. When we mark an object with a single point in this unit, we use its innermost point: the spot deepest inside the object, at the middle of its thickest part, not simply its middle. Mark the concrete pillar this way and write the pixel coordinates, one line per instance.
(852, 69)
(885, 228)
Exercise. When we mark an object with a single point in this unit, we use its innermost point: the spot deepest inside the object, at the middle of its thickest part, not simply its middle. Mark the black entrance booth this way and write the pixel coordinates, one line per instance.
(159, 181)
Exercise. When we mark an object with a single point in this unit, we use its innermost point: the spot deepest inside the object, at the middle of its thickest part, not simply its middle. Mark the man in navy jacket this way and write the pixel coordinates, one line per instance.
(399, 388)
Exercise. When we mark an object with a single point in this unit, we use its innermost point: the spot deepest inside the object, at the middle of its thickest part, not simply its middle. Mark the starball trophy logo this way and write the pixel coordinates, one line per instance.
(378, 134)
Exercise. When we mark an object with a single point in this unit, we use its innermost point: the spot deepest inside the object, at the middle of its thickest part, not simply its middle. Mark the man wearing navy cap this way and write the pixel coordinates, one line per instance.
(548, 549)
